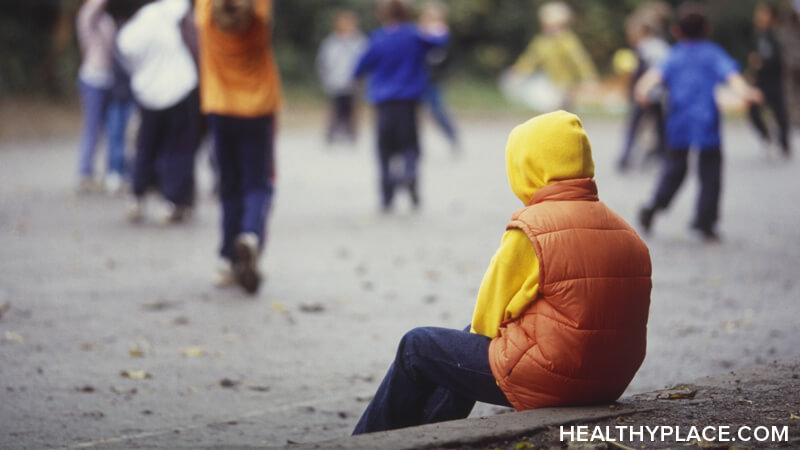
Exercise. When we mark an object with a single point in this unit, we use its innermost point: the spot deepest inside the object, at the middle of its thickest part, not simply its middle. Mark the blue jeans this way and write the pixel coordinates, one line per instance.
(433, 98)
(244, 154)
(119, 111)
(94, 102)
(438, 374)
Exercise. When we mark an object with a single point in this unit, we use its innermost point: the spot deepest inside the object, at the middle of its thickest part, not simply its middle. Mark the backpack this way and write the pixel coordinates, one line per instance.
(232, 16)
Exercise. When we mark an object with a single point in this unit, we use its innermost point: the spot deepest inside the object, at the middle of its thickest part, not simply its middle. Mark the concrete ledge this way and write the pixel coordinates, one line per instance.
(473, 432)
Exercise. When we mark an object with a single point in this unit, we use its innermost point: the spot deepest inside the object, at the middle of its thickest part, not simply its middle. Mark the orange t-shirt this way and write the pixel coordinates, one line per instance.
(238, 73)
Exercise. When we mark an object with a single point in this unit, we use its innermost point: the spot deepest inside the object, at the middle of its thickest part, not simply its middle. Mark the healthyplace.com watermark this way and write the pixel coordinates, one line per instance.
(666, 433)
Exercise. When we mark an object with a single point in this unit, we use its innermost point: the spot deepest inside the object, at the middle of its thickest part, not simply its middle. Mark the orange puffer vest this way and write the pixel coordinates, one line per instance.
(584, 337)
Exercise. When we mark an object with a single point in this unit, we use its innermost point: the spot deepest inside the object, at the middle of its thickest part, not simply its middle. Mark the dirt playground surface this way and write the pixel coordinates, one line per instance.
(114, 337)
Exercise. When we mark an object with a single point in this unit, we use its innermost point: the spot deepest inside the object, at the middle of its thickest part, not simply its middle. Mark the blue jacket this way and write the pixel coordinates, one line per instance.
(690, 73)
(395, 61)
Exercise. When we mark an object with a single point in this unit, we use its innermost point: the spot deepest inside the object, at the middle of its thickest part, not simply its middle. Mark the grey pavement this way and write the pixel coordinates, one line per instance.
(92, 296)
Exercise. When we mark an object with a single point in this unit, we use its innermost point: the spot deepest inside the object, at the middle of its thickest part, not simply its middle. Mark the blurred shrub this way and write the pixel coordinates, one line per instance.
(39, 50)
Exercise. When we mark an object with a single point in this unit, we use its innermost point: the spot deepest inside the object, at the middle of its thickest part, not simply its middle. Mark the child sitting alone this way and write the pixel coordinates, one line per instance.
(561, 315)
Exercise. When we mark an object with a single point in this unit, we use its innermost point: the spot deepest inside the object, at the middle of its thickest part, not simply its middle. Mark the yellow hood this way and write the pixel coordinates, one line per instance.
(547, 148)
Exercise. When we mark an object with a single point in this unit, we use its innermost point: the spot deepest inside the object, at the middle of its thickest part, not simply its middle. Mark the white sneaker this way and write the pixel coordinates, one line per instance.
(246, 266)
(224, 276)
(113, 183)
(172, 213)
(135, 211)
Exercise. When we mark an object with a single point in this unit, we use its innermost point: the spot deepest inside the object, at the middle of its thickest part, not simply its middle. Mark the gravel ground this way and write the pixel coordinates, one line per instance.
(92, 297)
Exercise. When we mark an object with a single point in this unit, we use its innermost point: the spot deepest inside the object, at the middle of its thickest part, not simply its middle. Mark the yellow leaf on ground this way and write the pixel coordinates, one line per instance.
(135, 374)
(13, 336)
(794, 416)
(136, 353)
(192, 352)
(278, 306)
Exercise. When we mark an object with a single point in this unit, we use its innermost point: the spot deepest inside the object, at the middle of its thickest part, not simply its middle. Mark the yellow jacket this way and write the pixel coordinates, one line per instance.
(561, 56)
(547, 148)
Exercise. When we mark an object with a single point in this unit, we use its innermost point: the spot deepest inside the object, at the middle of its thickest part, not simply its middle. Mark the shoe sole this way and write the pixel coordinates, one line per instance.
(245, 268)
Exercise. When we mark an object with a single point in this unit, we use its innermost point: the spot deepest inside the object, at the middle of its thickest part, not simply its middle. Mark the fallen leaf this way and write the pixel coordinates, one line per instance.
(794, 416)
(87, 389)
(193, 352)
(147, 412)
(156, 305)
(677, 394)
(123, 391)
(278, 306)
(312, 308)
(4, 308)
(180, 320)
(227, 383)
(253, 387)
(135, 374)
(136, 353)
(522, 445)
(13, 336)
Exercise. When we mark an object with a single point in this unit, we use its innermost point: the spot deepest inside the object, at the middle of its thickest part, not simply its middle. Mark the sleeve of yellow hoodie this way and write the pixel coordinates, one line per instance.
(510, 284)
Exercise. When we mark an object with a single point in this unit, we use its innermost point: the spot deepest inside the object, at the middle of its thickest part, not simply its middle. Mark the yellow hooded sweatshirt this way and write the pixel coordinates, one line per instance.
(550, 147)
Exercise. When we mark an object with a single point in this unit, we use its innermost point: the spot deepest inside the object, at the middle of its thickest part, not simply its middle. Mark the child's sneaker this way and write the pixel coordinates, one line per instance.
(113, 183)
(246, 266)
(646, 215)
(135, 210)
(707, 234)
(224, 276)
(172, 213)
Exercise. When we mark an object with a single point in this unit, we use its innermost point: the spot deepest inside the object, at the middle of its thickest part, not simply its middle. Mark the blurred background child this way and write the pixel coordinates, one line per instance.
(395, 63)
(95, 29)
(433, 15)
(557, 55)
(767, 63)
(241, 92)
(690, 73)
(336, 59)
(651, 50)
(164, 84)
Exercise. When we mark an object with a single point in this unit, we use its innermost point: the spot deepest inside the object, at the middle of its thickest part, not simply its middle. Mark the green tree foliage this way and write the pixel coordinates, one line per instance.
(40, 55)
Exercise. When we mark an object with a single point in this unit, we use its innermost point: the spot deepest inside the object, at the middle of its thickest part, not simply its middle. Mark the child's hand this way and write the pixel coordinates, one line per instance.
(754, 95)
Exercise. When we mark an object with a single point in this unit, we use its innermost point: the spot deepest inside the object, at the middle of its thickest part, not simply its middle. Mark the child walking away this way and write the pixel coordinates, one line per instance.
(690, 73)
(651, 50)
(164, 85)
(767, 61)
(395, 61)
(569, 271)
(336, 60)
(96, 31)
(434, 15)
(240, 91)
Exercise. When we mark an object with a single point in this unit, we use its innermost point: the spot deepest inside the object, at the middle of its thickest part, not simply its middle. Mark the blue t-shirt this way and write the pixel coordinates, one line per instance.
(395, 60)
(690, 73)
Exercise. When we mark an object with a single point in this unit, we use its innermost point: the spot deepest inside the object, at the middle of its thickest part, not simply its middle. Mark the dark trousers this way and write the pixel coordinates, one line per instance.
(438, 374)
(243, 148)
(165, 150)
(342, 118)
(637, 113)
(398, 146)
(774, 98)
(710, 175)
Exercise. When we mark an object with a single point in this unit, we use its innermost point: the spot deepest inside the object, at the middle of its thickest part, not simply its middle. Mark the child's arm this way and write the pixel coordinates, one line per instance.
(646, 84)
(750, 94)
(510, 285)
